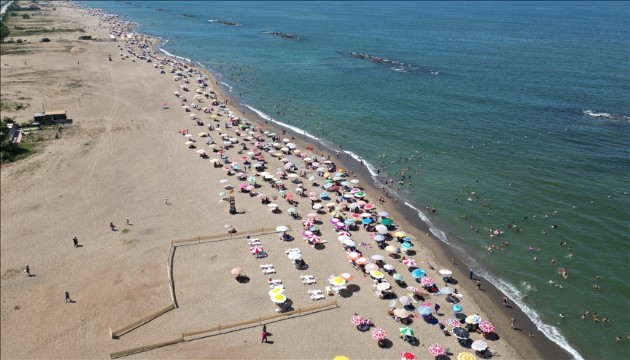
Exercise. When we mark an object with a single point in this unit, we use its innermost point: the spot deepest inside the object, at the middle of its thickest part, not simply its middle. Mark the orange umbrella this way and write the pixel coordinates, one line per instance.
(346, 276)
(354, 255)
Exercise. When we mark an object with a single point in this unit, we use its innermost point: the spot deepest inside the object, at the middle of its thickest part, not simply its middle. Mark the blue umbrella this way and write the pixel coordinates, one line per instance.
(379, 238)
(327, 185)
(406, 239)
(406, 246)
(418, 273)
(323, 195)
(424, 310)
(349, 222)
(456, 308)
(366, 221)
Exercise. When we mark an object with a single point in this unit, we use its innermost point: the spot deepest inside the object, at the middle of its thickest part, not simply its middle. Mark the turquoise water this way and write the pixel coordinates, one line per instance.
(491, 96)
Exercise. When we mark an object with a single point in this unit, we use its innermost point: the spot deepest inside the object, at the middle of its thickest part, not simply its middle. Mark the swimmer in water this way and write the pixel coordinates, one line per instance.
(561, 315)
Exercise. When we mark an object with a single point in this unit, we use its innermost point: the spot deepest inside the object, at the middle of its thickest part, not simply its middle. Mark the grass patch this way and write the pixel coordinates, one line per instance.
(6, 105)
(125, 230)
(74, 85)
(16, 307)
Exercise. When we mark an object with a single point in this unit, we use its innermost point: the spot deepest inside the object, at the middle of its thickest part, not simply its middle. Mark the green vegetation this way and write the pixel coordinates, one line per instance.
(26, 16)
(6, 105)
(4, 31)
(12, 152)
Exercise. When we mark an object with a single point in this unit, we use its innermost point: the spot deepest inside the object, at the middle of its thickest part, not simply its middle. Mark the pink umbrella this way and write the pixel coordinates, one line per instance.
(354, 255)
(343, 233)
(408, 356)
(437, 350)
(486, 326)
(358, 319)
(308, 222)
(409, 262)
(307, 234)
(314, 239)
(361, 261)
(355, 216)
(379, 334)
(312, 215)
(453, 322)
(426, 281)
(369, 206)
(256, 249)
(413, 289)
(361, 203)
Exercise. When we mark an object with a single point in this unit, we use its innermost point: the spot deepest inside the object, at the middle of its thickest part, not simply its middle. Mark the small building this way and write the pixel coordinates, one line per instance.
(52, 117)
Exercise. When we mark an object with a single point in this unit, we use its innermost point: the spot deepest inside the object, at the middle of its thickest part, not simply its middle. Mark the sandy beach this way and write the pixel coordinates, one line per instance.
(124, 153)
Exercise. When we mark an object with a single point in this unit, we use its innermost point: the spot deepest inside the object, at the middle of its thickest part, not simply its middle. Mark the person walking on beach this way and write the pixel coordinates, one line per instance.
(128, 220)
(112, 226)
(264, 334)
(505, 301)
(512, 322)
(471, 274)
(165, 200)
(27, 271)
(75, 241)
(478, 284)
(66, 295)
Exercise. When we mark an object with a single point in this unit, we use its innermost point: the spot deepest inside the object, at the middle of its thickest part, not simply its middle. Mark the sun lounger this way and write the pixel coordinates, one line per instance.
(268, 271)
(316, 295)
(251, 243)
(260, 255)
(288, 251)
(307, 279)
(266, 266)
(337, 289)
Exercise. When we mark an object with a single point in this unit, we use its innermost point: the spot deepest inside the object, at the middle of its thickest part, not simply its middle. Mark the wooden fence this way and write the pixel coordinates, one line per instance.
(219, 328)
(135, 324)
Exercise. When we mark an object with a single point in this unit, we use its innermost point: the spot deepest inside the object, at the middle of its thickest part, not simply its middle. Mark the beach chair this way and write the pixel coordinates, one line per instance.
(316, 295)
(266, 266)
(307, 279)
(337, 289)
(268, 271)
(250, 242)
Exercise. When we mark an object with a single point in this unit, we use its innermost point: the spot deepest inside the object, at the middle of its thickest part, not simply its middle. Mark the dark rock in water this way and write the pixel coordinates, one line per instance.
(160, 10)
(226, 22)
(283, 35)
(189, 15)
(396, 65)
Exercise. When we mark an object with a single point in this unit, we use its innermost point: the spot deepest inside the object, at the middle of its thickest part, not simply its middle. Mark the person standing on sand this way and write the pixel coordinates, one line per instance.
(505, 301)
(264, 336)
(75, 241)
(478, 284)
(66, 295)
(471, 275)
(165, 200)
(27, 270)
(128, 220)
(112, 226)
(512, 322)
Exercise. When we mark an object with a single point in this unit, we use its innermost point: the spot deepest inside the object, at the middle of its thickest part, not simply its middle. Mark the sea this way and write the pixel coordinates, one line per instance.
(507, 117)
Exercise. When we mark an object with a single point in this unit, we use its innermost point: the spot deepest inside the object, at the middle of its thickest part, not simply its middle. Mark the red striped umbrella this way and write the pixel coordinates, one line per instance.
(410, 262)
(426, 281)
(486, 326)
(358, 319)
(308, 222)
(408, 356)
(256, 249)
(413, 289)
(453, 322)
(437, 350)
(379, 334)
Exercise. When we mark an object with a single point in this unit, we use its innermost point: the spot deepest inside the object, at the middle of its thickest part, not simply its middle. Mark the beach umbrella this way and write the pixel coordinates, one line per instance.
(387, 222)
(381, 229)
(453, 322)
(486, 326)
(424, 310)
(308, 222)
(366, 215)
(366, 221)
(353, 255)
(294, 255)
(279, 298)
(465, 356)
(354, 181)
(446, 272)
(460, 333)
(345, 276)
(314, 239)
(377, 274)
(368, 206)
(479, 345)
(456, 308)
(349, 242)
(437, 350)
(378, 257)
(426, 281)
(272, 205)
(390, 248)
(383, 214)
(292, 210)
(371, 267)
(400, 234)
(312, 215)
(473, 319)
(360, 194)
(405, 331)
(201, 152)
(282, 228)
(189, 142)
(256, 249)
(358, 320)
(236, 271)
(214, 160)
(418, 273)
(413, 289)
(406, 239)
(317, 206)
(355, 216)
(343, 233)
(276, 290)
(405, 300)
(361, 261)
(406, 246)
(446, 290)
(397, 276)
(384, 286)
(337, 281)
(409, 262)
(408, 356)
(349, 222)
(402, 313)
(379, 334)
(379, 238)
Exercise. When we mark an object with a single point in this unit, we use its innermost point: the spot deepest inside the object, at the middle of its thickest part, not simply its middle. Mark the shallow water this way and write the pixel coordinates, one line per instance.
(492, 96)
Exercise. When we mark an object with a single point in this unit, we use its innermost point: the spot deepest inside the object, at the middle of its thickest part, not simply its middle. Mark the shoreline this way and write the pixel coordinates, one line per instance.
(541, 346)
(538, 347)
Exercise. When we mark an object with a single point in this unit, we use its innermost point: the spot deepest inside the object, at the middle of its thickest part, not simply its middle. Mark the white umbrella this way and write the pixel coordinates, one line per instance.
(378, 257)
(383, 286)
(446, 290)
(446, 272)
(294, 255)
(381, 229)
(272, 205)
(317, 206)
(349, 242)
(479, 345)
(282, 228)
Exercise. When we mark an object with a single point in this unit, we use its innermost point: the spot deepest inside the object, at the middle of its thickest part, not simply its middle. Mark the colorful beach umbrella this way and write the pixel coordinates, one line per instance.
(279, 298)
(486, 326)
(418, 273)
(465, 356)
(408, 356)
(424, 310)
(437, 350)
(353, 255)
(406, 246)
(413, 289)
(337, 281)
(256, 249)
(456, 308)
(473, 319)
(405, 331)
(410, 262)
(276, 290)
(358, 320)
(379, 334)
(376, 274)
(362, 261)
(426, 281)
(479, 345)
(453, 322)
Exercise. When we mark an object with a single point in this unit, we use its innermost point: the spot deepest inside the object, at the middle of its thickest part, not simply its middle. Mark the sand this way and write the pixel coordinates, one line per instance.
(119, 159)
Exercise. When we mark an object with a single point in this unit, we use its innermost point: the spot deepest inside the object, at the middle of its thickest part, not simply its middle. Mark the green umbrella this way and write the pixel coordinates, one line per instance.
(405, 331)
(291, 210)
(387, 222)
(397, 276)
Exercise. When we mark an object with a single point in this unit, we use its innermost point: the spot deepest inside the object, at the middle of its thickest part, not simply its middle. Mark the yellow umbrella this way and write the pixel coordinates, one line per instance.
(400, 234)
(341, 357)
(202, 134)
(465, 356)
(337, 281)
(377, 274)
(279, 298)
(276, 290)
(327, 175)
(213, 116)
(390, 248)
